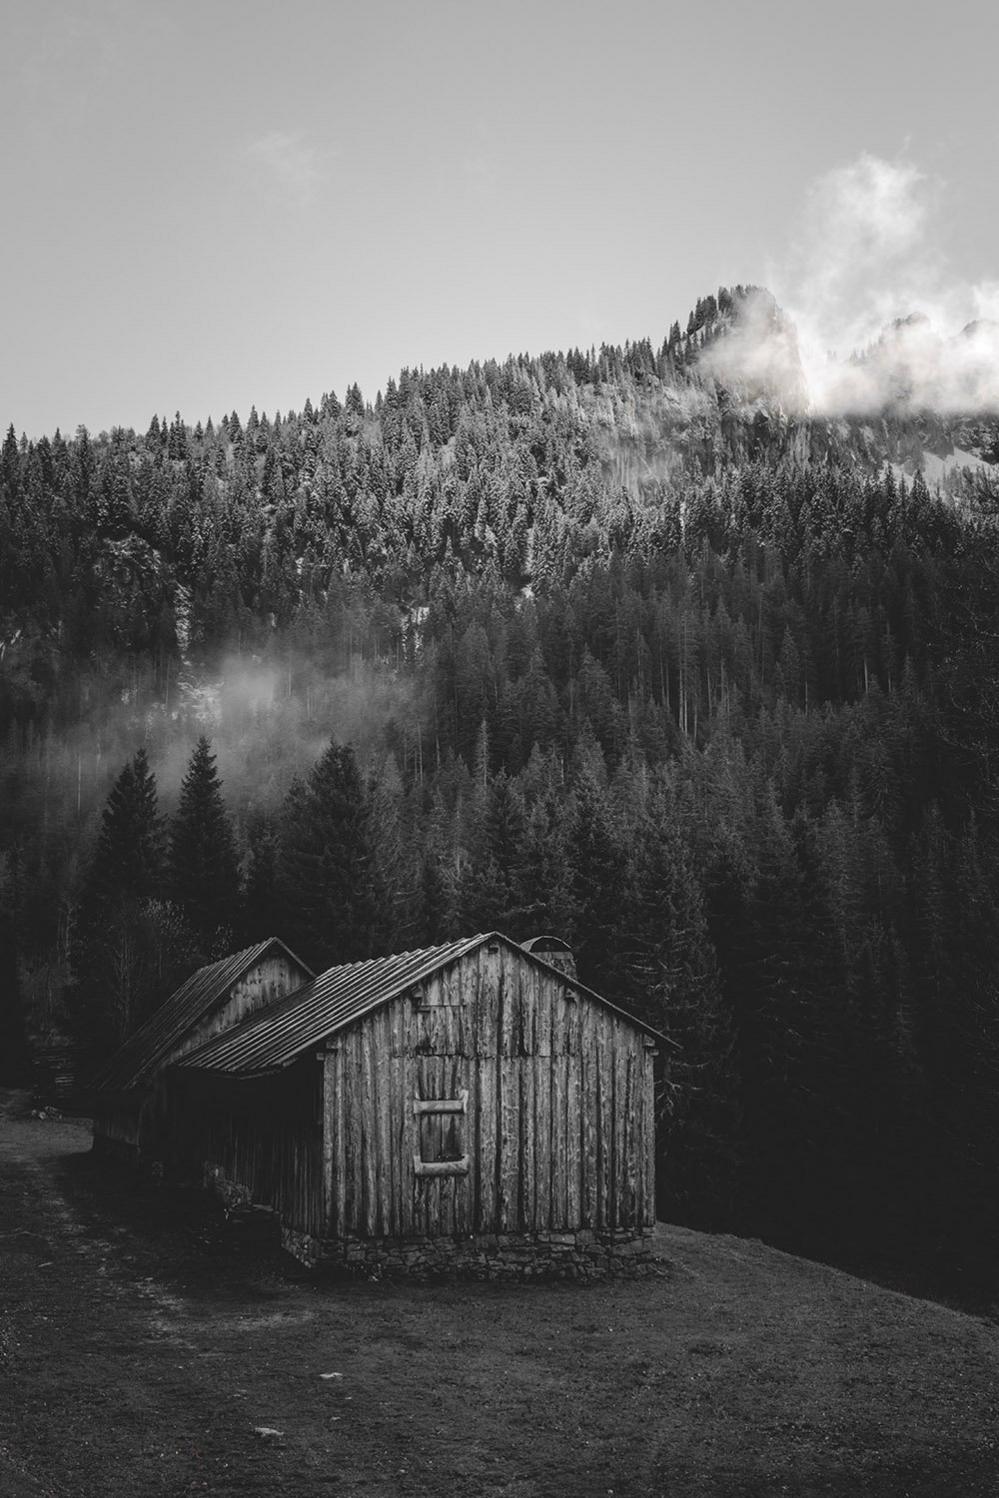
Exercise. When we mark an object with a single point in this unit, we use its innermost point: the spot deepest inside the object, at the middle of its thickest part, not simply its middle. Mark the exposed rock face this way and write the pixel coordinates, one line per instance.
(915, 399)
(751, 349)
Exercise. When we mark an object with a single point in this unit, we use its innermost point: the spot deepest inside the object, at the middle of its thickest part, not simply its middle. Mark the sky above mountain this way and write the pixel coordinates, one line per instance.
(213, 204)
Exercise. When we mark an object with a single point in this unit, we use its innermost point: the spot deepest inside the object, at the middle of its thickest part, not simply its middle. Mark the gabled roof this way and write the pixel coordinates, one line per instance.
(151, 1045)
(276, 1036)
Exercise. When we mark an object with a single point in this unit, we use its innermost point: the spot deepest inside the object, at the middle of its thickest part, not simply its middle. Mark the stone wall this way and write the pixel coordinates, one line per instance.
(582, 1255)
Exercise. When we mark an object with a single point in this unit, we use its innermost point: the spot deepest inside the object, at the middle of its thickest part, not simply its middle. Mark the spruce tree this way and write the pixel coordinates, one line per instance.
(203, 869)
(670, 970)
(491, 894)
(128, 861)
(432, 897)
(129, 949)
(596, 859)
(326, 883)
(259, 894)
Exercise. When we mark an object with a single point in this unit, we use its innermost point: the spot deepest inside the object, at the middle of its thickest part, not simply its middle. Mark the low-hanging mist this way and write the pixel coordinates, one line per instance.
(619, 653)
(871, 318)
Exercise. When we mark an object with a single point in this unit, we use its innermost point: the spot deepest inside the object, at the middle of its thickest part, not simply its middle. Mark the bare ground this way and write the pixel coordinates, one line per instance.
(146, 1346)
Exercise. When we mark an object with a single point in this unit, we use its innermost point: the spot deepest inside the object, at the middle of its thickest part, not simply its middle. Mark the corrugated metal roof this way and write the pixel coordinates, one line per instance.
(276, 1036)
(151, 1045)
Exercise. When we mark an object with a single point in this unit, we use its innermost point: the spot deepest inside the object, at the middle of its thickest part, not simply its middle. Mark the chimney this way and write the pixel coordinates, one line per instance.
(553, 950)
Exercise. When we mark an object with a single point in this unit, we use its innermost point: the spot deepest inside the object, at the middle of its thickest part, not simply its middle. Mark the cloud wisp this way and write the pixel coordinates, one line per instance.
(292, 163)
(876, 319)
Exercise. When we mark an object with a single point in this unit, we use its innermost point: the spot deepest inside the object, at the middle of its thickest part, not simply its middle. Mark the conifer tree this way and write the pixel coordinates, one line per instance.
(670, 971)
(597, 864)
(128, 861)
(326, 883)
(260, 890)
(433, 905)
(129, 948)
(545, 874)
(203, 868)
(491, 894)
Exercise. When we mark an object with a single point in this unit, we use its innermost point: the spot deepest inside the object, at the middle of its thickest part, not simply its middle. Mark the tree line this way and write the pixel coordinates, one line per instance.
(704, 690)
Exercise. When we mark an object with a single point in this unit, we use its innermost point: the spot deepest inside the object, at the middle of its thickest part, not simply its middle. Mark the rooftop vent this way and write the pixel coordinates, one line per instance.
(554, 950)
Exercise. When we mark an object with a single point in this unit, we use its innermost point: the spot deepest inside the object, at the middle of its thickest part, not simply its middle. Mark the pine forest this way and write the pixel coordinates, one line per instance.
(592, 644)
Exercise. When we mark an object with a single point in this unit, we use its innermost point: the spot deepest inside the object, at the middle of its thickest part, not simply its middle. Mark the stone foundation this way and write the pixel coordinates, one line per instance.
(580, 1255)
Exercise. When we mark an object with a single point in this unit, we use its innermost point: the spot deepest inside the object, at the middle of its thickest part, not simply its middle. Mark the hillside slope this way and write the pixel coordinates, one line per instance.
(628, 649)
(145, 1350)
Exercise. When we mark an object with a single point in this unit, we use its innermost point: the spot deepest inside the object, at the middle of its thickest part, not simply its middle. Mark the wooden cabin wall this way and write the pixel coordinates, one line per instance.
(263, 1138)
(131, 1121)
(271, 978)
(559, 1128)
(116, 1124)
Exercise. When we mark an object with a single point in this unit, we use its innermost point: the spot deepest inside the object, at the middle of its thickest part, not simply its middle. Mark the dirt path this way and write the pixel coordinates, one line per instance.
(143, 1347)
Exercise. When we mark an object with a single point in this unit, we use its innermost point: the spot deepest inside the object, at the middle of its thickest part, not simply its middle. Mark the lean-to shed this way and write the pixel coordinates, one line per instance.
(213, 999)
(469, 1103)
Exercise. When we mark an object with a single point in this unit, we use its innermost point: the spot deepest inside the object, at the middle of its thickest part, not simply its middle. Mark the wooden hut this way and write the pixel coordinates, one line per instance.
(213, 999)
(468, 1104)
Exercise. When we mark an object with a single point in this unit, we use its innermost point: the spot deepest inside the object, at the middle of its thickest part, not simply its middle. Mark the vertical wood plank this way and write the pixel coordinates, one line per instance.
(541, 1062)
(483, 1135)
(506, 999)
(454, 1130)
(604, 1123)
(428, 1187)
(540, 1206)
(573, 1208)
(626, 1045)
(616, 1126)
(328, 1125)
(587, 1116)
(641, 1151)
(468, 1079)
(555, 1007)
(504, 1138)
(332, 1225)
(526, 1146)
(650, 1137)
(385, 1162)
(369, 1131)
(348, 1161)
(394, 1108)
(404, 1113)
(564, 1217)
(355, 1130)
(485, 1051)
(519, 1005)
(351, 1153)
(567, 1062)
(638, 1142)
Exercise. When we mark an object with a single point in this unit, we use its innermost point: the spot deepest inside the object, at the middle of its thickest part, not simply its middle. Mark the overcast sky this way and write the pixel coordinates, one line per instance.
(213, 204)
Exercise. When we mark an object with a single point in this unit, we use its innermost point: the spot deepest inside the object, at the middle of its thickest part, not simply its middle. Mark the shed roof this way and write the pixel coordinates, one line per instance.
(150, 1047)
(276, 1036)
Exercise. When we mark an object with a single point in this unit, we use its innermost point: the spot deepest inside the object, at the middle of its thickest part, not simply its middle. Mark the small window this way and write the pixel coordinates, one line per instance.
(441, 1126)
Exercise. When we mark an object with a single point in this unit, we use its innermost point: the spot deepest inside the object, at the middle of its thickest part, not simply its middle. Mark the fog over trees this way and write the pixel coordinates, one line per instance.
(588, 644)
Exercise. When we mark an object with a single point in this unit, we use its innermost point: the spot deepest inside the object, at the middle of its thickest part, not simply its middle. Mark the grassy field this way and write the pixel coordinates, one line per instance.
(148, 1348)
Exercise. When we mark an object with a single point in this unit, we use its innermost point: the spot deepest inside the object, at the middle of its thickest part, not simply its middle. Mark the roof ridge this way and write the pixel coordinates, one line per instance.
(144, 1048)
(277, 1034)
(407, 952)
(333, 989)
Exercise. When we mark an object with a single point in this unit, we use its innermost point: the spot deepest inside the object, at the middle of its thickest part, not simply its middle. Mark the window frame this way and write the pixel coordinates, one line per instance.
(456, 1107)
